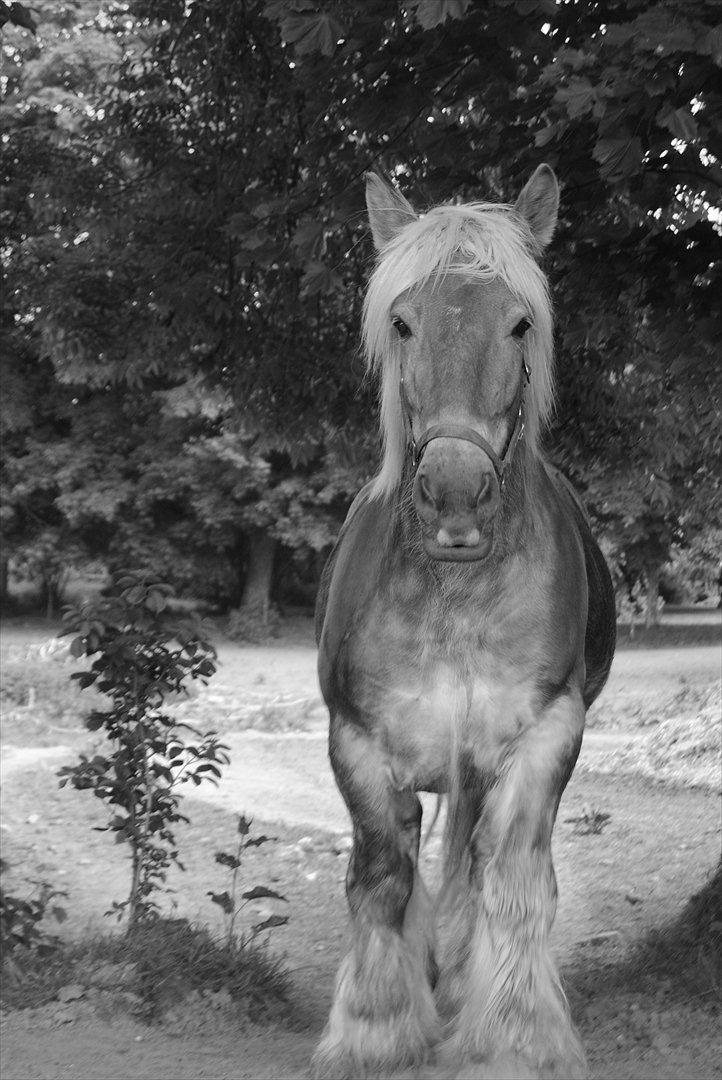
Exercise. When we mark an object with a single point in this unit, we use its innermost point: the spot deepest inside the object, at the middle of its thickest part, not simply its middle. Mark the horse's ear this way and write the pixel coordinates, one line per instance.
(388, 210)
(538, 204)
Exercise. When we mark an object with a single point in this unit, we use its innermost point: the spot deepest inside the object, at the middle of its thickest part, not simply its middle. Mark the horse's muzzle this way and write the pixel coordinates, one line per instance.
(464, 552)
(456, 497)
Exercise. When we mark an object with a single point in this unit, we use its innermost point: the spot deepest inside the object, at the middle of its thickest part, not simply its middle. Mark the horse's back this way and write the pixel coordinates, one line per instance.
(601, 632)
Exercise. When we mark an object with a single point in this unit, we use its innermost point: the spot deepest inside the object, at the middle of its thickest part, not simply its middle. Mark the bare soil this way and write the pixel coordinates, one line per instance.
(655, 849)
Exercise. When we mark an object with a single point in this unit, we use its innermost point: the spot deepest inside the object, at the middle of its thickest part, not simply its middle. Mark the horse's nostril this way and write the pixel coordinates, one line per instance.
(485, 493)
(425, 491)
(465, 537)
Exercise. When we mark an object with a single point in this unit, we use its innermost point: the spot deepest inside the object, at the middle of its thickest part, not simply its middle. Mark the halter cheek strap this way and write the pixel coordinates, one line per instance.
(467, 434)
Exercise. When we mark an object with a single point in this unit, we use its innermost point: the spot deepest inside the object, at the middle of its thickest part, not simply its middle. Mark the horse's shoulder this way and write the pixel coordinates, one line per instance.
(601, 613)
(359, 533)
(569, 494)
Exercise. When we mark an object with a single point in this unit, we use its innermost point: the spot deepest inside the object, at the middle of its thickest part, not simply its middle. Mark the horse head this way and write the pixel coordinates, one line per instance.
(458, 320)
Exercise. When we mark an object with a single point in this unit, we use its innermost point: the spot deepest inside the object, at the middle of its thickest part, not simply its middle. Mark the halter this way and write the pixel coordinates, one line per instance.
(467, 434)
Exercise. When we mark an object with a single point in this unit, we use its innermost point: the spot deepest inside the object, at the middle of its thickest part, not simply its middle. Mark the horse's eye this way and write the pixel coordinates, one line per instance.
(521, 328)
(401, 328)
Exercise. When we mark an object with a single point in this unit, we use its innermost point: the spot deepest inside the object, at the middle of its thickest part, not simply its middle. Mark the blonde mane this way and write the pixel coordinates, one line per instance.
(482, 241)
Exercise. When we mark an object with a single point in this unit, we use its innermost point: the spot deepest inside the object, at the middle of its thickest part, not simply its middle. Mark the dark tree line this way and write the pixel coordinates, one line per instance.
(185, 252)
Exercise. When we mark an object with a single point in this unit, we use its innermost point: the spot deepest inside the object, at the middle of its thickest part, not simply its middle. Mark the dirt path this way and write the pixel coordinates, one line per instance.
(636, 874)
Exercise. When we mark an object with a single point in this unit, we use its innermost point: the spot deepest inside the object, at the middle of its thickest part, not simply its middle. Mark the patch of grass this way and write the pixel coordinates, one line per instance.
(151, 969)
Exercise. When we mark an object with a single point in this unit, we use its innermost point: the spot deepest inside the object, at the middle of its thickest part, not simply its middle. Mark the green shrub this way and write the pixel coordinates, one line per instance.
(154, 967)
(21, 918)
(143, 656)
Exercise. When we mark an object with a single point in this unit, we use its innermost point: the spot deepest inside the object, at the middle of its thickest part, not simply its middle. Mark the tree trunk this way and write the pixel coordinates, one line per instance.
(259, 572)
(651, 616)
(4, 576)
(48, 596)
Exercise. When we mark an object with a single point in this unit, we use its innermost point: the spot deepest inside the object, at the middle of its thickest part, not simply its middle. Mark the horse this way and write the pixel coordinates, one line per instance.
(465, 623)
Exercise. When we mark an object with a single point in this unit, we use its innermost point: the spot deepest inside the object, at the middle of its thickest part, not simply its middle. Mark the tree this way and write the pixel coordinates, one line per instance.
(200, 252)
(621, 98)
(158, 289)
(43, 108)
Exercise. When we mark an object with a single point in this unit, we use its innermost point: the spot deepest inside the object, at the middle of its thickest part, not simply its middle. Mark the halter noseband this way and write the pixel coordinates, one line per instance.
(467, 434)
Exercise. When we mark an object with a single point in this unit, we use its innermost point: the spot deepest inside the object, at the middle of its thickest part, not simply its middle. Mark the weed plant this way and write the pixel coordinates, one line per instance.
(151, 968)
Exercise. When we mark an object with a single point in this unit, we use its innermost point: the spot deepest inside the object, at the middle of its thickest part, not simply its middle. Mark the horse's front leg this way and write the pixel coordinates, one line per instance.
(514, 1019)
(383, 1015)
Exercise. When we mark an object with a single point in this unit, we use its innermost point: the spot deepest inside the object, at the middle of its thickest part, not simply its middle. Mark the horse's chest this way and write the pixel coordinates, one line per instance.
(427, 705)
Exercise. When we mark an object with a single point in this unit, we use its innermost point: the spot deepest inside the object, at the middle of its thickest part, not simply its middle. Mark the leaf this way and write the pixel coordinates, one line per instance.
(431, 13)
(239, 224)
(244, 824)
(84, 678)
(207, 767)
(224, 901)
(19, 15)
(156, 602)
(256, 841)
(306, 235)
(254, 239)
(680, 123)
(260, 892)
(619, 33)
(618, 158)
(711, 45)
(318, 279)
(546, 135)
(312, 31)
(77, 647)
(578, 97)
(225, 859)
(272, 920)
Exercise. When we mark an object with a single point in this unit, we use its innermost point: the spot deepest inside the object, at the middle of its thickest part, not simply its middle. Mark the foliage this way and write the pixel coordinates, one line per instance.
(17, 14)
(20, 918)
(154, 968)
(173, 959)
(148, 305)
(693, 574)
(186, 254)
(621, 99)
(228, 900)
(144, 655)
